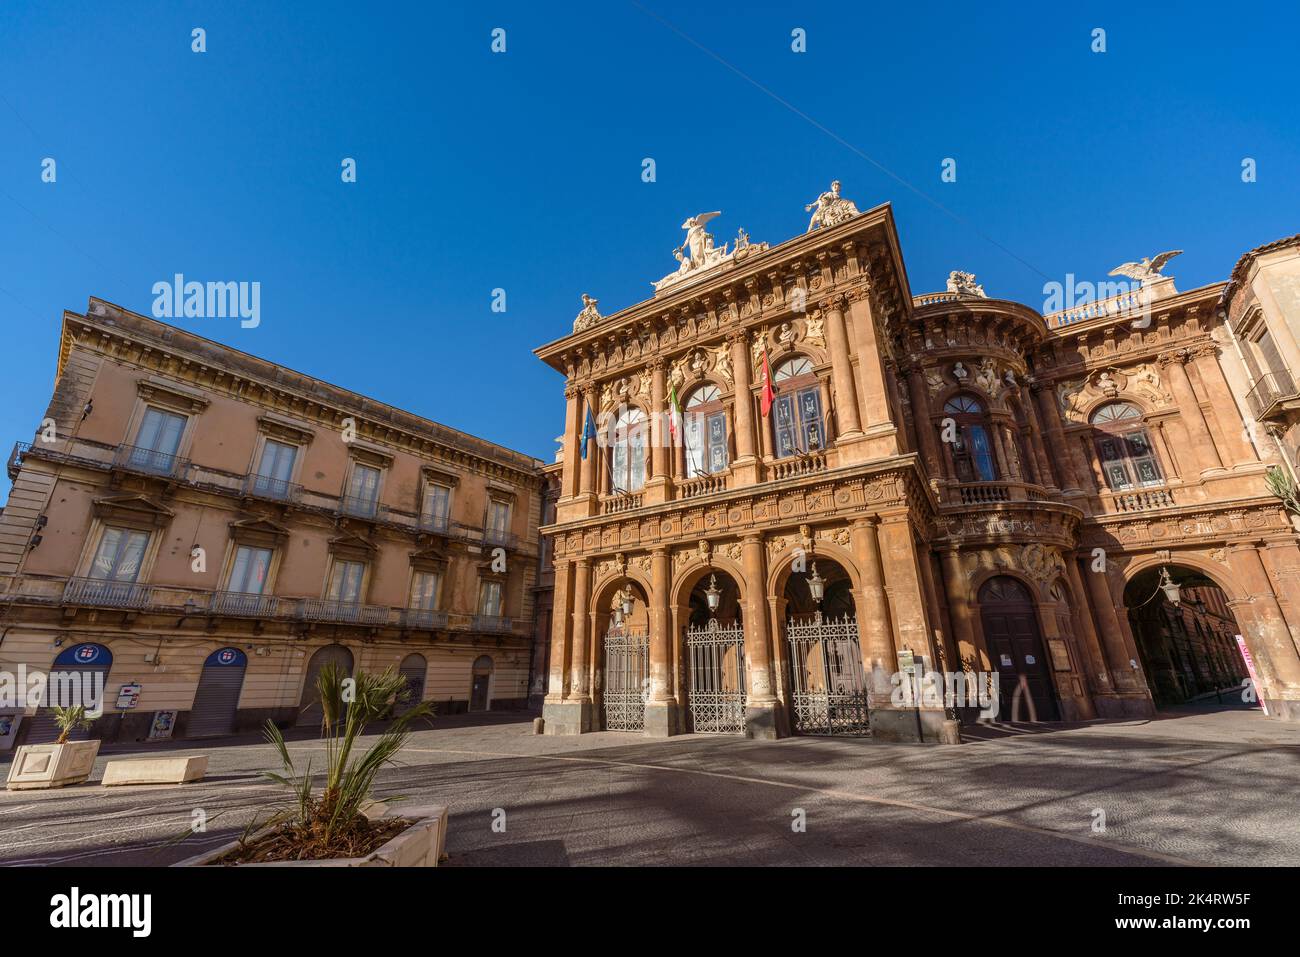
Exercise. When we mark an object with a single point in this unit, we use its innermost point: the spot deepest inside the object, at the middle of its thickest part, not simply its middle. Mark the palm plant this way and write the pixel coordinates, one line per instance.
(70, 719)
(322, 823)
(1284, 488)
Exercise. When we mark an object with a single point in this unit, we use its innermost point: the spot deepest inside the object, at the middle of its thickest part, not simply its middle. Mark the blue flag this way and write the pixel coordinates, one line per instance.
(588, 431)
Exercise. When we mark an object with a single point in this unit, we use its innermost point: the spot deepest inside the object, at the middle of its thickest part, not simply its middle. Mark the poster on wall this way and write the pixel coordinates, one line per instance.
(1250, 670)
(163, 723)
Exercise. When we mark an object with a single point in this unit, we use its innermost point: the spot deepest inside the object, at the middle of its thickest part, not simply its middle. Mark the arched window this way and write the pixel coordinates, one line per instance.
(797, 424)
(705, 430)
(627, 451)
(1124, 447)
(972, 449)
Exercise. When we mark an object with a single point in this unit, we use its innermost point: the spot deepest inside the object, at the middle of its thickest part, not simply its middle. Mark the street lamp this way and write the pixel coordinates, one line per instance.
(627, 602)
(817, 588)
(1170, 587)
(714, 594)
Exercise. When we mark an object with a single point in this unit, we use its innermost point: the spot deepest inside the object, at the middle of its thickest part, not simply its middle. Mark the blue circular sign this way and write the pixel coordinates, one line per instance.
(86, 653)
(227, 658)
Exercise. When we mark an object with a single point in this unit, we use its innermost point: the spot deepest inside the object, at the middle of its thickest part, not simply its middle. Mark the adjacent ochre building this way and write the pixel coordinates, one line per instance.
(206, 529)
(944, 483)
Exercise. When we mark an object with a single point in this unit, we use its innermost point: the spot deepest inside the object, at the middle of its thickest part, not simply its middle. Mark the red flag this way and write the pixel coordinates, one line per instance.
(769, 394)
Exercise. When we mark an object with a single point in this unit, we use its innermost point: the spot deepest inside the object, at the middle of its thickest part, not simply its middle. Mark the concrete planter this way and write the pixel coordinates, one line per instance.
(420, 845)
(38, 766)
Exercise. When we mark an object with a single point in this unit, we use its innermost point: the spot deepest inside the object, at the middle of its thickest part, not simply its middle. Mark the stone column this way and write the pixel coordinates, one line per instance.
(875, 628)
(921, 420)
(1042, 462)
(579, 697)
(661, 709)
(1086, 632)
(1068, 469)
(762, 710)
(1267, 636)
(878, 425)
(846, 393)
(957, 593)
(900, 563)
(656, 489)
(1238, 448)
(1204, 456)
(745, 468)
(560, 622)
(1128, 684)
(572, 431)
(587, 465)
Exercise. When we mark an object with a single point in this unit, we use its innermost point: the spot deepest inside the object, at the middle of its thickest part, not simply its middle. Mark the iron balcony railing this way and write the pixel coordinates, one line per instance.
(493, 623)
(438, 524)
(133, 458)
(426, 619)
(499, 536)
(276, 490)
(105, 593)
(1268, 391)
(362, 508)
(16, 458)
(244, 604)
(348, 612)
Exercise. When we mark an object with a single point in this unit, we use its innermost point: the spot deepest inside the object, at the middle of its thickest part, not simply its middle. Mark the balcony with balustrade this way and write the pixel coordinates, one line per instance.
(1273, 395)
(342, 612)
(237, 604)
(106, 593)
(364, 508)
(269, 489)
(493, 624)
(142, 461)
(423, 619)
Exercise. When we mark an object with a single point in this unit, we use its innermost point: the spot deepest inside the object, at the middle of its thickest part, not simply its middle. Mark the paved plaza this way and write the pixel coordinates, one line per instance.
(1192, 787)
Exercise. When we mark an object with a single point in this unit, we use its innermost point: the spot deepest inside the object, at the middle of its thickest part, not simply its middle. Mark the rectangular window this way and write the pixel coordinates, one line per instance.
(119, 556)
(489, 598)
(798, 424)
(424, 590)
(499, 517)
(249, 572)
(363, 490)
(275, 468)
(436, 510)
(716, 427)
(158, 440)
(345, 581)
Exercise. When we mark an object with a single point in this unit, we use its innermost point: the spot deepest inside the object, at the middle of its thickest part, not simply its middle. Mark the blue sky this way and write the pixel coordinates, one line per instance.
(522, 170)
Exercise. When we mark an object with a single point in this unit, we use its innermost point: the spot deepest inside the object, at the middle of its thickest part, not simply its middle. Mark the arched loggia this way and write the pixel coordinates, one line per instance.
(1186, 635)
(827, 680)
(714, 653)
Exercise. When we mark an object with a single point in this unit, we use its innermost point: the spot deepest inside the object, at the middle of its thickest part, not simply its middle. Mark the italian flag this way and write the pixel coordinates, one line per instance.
(769, 394)
(674, 411)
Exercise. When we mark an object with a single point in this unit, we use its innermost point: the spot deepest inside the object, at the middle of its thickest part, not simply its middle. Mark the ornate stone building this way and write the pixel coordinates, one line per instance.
(934, 483)
(205, 529)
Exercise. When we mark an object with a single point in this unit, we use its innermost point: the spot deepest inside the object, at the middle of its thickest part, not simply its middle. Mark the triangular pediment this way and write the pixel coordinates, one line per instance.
(133, 508)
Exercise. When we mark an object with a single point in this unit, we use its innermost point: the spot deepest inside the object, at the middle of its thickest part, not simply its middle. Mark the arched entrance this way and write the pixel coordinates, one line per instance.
(216, 699)
(828, 684)
(412, 671)
(480, 689)
(1015, 646)
(79, 676)
(309, 704)
(1188, 648)
(715, 655)
(626, 668)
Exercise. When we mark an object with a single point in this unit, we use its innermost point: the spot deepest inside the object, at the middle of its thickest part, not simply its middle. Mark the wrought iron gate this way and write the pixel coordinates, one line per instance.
(717, 693)
(829, 683)
(627, 673)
